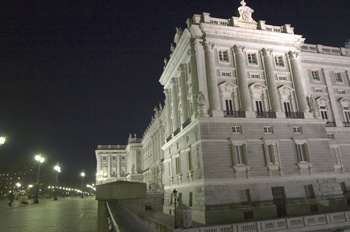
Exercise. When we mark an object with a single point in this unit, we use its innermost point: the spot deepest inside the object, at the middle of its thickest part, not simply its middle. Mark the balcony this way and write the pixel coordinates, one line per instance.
(234, 114)
(294, 115)
(186, 123)
(262, 114)
(330, 124)
(346, 124)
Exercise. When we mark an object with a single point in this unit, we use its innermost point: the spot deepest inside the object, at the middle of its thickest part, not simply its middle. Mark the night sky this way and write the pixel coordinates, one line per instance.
(76, 74)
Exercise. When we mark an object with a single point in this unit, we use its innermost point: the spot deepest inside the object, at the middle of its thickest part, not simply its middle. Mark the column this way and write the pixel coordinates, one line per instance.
(214, 101)
(174, 93)
(183, 90)
(98, 158)
(242, 79)
(118, 165)
(298, 84)
(201, 75)
(271, 80)
(168, 113)
(109, 166)
(194, 82)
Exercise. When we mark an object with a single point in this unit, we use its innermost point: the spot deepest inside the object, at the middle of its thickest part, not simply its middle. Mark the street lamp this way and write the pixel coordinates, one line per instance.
(18, 185)
(2, 141)
(40, 161)
(175, 195)
(82, 184)
(58, 169)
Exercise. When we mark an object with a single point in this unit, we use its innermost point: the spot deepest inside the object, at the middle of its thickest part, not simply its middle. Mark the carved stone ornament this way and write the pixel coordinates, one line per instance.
(172, 48)
(293, 55)
(227, 87)
(245, 12)
(201, 99)
(177, 35)
(238, 49)
(313, 106)
(267, 51)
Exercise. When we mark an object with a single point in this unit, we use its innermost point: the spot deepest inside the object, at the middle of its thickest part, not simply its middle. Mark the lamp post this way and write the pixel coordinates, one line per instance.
(82, 184)
(58, 169)
(2, 141)
(175, 196)
(40, 161)
(18, 185)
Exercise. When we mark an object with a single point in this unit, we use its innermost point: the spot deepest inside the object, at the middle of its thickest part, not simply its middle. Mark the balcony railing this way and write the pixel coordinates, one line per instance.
(346, 124)
(169, 138)
(234, 114)
(294, 115)
(330, 124)
(186, 123)
(261, 114)
(176, 131)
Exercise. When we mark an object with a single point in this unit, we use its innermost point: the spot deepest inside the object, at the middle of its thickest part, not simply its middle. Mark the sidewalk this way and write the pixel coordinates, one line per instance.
(69, 214)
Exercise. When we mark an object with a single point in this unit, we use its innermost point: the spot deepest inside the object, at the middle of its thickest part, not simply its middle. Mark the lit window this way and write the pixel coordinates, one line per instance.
(252, 58)
(236, 130)
(297, 130)
(268, 129)
(315, 75)
(223, 56)
(338, 77)
(279, 61)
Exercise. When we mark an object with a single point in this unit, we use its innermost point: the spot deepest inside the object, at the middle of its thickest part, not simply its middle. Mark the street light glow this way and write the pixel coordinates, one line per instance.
(57, 168)
(18, 185)
(2, 140)
(82, 174)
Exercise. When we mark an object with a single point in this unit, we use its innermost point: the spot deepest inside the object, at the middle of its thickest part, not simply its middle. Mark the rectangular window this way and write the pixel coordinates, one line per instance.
(252, 58)
(179, 197)
(177, 162)
(343, 187)
(282, 78)
(268, 129)
(341, 91)
(315, 76)
(338, 77)
(236, 130)
(239, 154)
(331, 136)
(189, 160)
(104, 158)
(223, 56)
(245, 196)
(302, 155)
(323, 112)
(297, 129)
(317, 90)
(335, 155)
(255, 76)
(279, 61)
(171, 199)
(225, 74)
(270, 156)
(190, 199)
(309, 190)
(228, 104)
(113, 157)
(347, 115)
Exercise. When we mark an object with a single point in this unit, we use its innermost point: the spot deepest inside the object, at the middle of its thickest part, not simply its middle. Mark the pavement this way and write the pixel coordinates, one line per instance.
(64, 215)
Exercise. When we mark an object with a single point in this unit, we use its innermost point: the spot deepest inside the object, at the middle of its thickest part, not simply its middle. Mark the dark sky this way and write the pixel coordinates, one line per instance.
(76, 74)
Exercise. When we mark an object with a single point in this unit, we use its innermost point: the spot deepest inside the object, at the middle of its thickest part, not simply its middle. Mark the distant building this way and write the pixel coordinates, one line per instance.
(256, 123)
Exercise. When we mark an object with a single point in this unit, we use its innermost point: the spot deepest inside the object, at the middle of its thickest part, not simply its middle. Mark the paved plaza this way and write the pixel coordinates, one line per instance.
(68, 214)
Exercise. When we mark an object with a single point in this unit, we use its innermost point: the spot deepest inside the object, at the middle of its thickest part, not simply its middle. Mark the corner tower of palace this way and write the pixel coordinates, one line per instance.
(256, 123)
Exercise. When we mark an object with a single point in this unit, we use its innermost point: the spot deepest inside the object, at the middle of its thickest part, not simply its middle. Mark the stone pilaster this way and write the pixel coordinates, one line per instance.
(118, 165)
(299, 89)
(271, 80)
(194, 82)
(242, 79)
(214, 101)
(169, 130)
(109, 166)
(174, 93)
(183, 90)
(98, 159)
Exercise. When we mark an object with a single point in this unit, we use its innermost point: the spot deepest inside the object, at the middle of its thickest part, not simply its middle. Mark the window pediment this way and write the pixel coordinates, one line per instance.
(257, 88)
(285, 89)
(227, 87)
(322, 101)
(344, 101)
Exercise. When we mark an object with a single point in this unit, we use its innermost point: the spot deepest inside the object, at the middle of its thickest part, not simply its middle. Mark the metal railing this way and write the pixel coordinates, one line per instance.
(169, 138)
(176, 131)
(331, 124)
(234, 114)
(121, 219)
(262, 114)
(295, 115)
(186, 123)
(346, 124)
